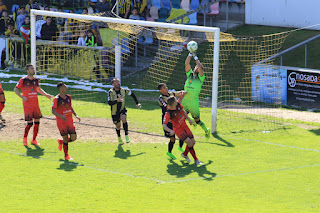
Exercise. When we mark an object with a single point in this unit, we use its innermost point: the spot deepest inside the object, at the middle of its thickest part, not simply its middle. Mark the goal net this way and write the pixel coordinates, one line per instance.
(143, 54)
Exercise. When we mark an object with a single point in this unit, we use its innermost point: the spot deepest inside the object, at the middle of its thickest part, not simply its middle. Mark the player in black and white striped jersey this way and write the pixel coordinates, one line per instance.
(164, 95)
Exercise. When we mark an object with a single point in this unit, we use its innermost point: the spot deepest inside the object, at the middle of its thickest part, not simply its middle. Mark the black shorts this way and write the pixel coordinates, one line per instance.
(116, 118)
(166, 133)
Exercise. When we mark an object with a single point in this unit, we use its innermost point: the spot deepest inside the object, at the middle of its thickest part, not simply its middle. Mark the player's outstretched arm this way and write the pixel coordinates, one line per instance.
(187, 117)
(73, 112)
(42, 92)
(187, 66)
(180, 94)
(58, 115)
(17, 91)
(200, 66)
(135, 99)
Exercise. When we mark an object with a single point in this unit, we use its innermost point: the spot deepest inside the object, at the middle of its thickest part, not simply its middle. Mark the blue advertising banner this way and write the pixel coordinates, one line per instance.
(269, 84)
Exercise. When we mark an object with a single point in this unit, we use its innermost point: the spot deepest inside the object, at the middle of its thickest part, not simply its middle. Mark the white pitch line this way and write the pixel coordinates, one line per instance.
(173, 181)
(276, 144)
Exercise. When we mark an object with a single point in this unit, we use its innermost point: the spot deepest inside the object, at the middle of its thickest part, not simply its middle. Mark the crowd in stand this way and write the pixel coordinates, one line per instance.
(85, 34)
(72, 31)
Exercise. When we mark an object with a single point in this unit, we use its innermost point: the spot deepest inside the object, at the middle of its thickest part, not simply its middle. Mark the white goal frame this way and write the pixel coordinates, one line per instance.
(215, 30)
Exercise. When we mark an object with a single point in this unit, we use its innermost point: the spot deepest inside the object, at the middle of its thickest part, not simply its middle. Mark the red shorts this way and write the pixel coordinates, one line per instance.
(184, 133)
(66, 127)
(31, 111)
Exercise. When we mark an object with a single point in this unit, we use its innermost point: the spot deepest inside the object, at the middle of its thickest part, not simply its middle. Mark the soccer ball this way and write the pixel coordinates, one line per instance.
(192, 46)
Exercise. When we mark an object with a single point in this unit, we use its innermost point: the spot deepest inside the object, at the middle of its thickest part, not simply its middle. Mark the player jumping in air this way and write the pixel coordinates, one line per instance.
(30, 88)
(177, 115)
(63, 111)
(192, 86)
(116, 100)
(2, 102)
(165, 94)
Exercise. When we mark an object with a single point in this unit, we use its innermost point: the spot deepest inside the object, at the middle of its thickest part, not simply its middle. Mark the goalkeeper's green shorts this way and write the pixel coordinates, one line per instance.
(191, 106)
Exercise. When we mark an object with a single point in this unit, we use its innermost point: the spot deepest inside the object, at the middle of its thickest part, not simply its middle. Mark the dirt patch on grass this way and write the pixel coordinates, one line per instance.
(100, 129)
(282, 113)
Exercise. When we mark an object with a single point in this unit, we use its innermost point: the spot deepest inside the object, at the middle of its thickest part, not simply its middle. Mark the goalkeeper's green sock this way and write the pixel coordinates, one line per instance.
(194, 123)
(203, 126)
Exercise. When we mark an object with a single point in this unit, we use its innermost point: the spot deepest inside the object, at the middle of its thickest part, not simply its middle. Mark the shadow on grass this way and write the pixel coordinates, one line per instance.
(226, 143)
(315, 131)
(120, 153)
(68, 166)
(185, 169)
(35, 153)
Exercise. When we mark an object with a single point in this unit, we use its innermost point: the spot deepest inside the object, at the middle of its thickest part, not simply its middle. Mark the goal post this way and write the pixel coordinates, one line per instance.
(117, 49)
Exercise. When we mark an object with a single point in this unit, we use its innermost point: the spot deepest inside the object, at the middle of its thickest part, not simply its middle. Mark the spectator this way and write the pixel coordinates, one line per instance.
(142, 7)
(124, 8)
(47, 9)
(104, 6)
(4, 21)
(49, 30)
(25, 29)
(72, 24)
(11, 31)
(2, 6)
(39, 24)
(85, 11)
(135, 15)
(81, 39)
(21, 17)
(91, 39)
(60, 21)
(32, 5)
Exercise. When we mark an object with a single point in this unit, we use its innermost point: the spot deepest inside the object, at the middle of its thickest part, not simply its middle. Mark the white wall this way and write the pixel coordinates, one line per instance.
(284, 13)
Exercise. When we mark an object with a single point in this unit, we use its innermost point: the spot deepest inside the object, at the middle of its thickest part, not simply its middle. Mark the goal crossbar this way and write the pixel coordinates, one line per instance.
(215, 30)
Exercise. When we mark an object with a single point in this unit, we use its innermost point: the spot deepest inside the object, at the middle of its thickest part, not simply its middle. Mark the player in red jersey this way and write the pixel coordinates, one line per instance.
(30, 88)
(176, 115)
(2, 102)
(63, 111)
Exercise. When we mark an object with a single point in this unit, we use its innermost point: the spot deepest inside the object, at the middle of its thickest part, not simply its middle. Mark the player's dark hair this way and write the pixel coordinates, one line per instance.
(60, 84)
(114, 79)
(28, 66)
(22, 7)
(171, 100)
(135, 8)
(160, 86)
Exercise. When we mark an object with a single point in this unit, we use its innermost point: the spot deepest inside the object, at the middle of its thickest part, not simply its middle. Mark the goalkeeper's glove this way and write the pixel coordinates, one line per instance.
(194, 55)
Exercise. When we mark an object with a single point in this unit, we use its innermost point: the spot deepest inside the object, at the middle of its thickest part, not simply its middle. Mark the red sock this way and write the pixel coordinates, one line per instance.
(186, 151)
(26, 130)
(1, 107)
(65, 149)
(35, 130)
(193, 153)
(69, 140)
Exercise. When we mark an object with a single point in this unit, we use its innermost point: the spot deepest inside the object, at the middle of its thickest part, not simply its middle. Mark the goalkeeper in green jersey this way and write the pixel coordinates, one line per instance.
(192, 86)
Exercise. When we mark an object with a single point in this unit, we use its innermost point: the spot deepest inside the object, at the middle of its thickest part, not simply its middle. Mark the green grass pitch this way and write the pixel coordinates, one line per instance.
(242, 172)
